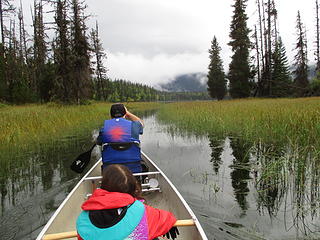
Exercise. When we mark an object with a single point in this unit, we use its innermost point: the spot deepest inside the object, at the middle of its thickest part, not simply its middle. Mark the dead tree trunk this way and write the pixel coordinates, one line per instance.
(317, 38)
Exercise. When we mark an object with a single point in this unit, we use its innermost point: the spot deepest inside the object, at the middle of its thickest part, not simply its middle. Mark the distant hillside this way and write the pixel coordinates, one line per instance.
(193, 82)
(311, 74)
(197, 82)
(312, 71)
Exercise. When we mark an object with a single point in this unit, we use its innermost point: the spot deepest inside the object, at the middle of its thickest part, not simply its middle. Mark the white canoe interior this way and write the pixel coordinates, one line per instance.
(165, 196)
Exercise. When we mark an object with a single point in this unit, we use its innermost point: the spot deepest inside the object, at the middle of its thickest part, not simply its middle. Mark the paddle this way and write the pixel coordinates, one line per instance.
(66, 235)
(82, 161)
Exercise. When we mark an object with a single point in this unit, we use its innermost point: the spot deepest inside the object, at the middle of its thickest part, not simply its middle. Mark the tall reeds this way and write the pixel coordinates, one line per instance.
(284, 135)
(22, 125)
(289, 120)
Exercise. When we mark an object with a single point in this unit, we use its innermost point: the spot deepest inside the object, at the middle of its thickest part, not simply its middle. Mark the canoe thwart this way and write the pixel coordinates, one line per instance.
(151, 189)
(135, 174)
(72, 234)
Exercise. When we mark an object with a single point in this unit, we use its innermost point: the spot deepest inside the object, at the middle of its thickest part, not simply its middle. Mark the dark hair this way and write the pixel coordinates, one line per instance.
(118, 178)
(117, 110)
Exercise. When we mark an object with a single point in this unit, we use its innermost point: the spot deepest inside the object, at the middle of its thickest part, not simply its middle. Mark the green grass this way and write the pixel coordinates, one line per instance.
(20, 126)
(283, 136)
(296, 121)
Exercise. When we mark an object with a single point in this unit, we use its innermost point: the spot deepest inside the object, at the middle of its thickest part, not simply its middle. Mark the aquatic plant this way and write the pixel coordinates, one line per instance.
(269, 120)
(276, 142)
(25, 128)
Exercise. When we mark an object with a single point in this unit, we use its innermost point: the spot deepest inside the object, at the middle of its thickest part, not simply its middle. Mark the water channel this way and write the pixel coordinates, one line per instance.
(220, 178)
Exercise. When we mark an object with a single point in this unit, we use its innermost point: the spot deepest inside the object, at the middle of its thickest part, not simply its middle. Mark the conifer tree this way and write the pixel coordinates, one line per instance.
(100, 70)
(301, 61)
(42, 85)
(216, 76)
(3, 83)
(317, 53)
(239, 68)
(281, 80)
(6, 8)
(62, 53)
(81, 73)
(268, 17)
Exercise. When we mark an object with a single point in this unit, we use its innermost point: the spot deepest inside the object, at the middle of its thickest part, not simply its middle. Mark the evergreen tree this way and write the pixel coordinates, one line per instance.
(62, 54)
(281, 80)
(239, 68)
(40, 82)
(317, 53)
(216, 77)
(315, 83)
(82, 87)
(3, 83)
(6, 8)
(100, 70)
(301, 62)
(268, 35)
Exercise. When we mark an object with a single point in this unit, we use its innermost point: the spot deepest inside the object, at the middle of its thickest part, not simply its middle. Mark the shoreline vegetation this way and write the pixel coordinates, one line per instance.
(278, 142)
(276, 147)
(22, 126)
(294, 121)
(287, 120)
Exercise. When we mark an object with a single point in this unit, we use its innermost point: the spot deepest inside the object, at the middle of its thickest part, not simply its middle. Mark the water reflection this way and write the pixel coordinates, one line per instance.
(33, 184)
(217, 145)
(275, 185)
(241, 171)
(287, 183)
(270, 180)
(238, 189)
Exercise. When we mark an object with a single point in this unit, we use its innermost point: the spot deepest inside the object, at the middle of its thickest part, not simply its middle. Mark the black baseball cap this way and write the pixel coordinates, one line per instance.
(117, 110)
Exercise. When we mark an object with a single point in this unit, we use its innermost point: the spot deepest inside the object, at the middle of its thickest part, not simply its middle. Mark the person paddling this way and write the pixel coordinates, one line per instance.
(119, 138)
(116, 211)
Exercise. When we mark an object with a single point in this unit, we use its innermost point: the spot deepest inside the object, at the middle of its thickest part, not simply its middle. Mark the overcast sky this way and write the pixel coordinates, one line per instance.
(151, 41)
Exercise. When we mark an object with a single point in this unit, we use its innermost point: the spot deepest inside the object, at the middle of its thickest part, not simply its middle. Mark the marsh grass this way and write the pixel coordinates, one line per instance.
(269, 120)
(22, 126)
(284, 135)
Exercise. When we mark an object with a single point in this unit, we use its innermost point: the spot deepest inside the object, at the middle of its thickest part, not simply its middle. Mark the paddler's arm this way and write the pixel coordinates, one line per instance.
(133, 117)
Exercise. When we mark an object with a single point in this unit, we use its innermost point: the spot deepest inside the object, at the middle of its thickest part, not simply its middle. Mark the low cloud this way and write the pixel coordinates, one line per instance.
(158, 69)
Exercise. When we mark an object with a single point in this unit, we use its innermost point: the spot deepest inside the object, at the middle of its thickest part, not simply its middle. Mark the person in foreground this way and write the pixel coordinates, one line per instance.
(119, 138)
(116, 211)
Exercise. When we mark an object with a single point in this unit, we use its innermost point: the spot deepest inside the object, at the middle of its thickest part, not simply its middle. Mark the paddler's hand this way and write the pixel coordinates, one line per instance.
(173, 233)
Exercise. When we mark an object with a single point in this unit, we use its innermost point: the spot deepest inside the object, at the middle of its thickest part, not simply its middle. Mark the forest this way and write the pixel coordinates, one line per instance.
(69, 67)
(259, 65)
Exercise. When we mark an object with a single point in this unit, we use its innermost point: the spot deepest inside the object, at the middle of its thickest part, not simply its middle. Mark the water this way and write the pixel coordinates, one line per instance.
(222, 179)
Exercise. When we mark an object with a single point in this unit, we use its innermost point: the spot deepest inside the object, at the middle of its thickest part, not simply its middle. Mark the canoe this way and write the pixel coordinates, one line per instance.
(62, 225)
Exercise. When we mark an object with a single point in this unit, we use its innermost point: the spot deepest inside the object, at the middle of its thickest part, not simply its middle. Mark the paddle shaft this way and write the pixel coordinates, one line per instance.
(72, 234)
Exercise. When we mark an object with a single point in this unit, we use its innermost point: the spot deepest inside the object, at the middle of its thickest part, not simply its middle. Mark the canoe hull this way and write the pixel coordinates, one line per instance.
(168, 198)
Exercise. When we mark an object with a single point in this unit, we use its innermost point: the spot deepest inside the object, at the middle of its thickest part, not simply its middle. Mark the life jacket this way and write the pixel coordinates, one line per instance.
(119, 146)
(133, 226)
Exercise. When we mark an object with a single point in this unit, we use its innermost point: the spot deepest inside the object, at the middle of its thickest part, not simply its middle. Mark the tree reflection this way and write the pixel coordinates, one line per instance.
(33, 173)
(287, 181)
(3, 191)
(241, 171)
(270, 179)
(217, 145)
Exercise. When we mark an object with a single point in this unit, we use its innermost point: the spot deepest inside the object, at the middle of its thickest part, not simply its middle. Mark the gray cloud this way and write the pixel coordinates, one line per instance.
(151, 41)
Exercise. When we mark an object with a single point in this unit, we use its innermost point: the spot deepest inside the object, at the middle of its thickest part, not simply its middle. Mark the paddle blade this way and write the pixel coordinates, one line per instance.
(81, 161)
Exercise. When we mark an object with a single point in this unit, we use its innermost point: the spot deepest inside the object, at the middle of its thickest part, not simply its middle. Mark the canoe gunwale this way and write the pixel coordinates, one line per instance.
(195, 219)
(45, 228)
(85, 178)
